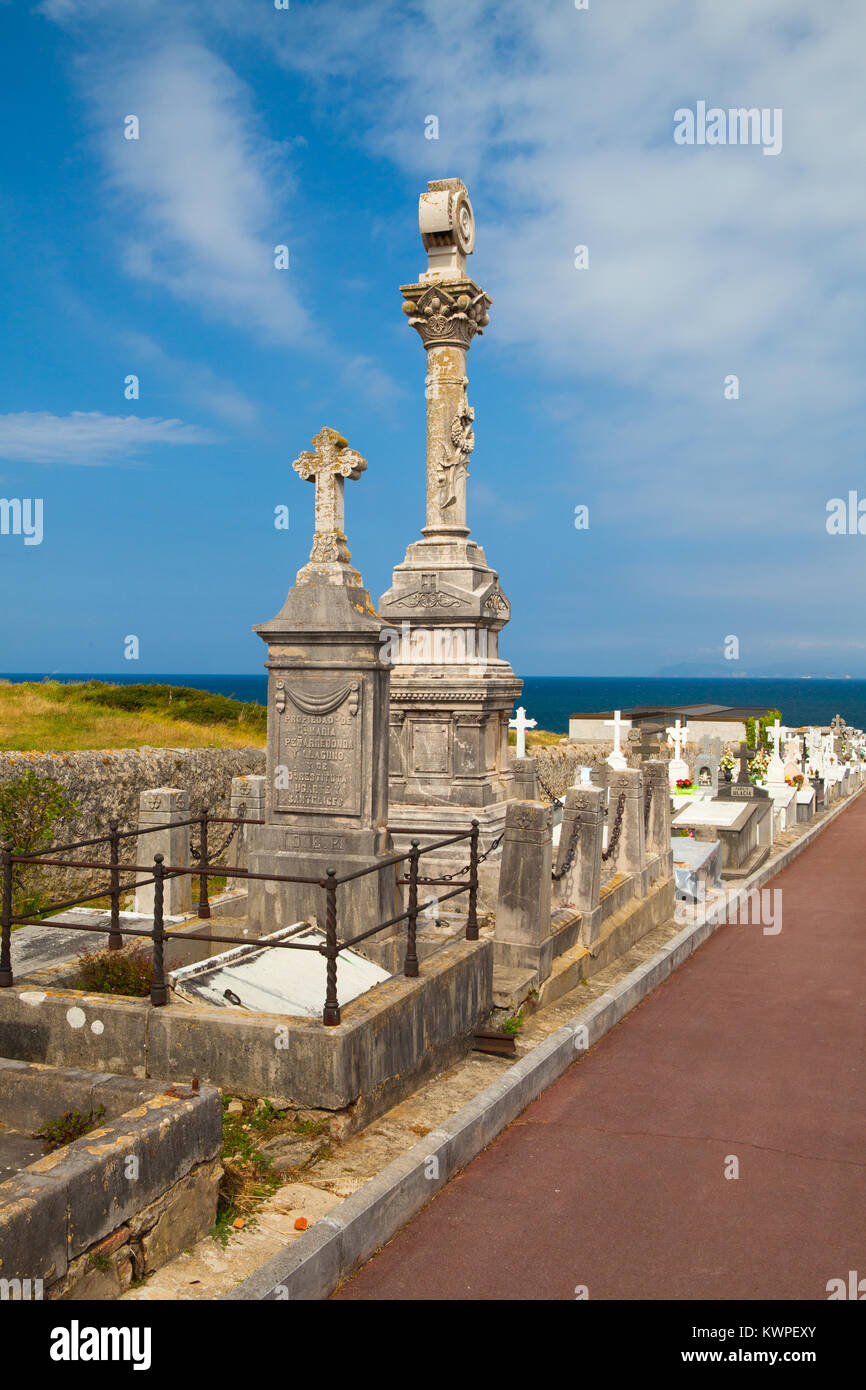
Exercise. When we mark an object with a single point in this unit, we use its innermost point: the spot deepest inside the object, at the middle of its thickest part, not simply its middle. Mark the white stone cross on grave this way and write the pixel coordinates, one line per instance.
(678, 735)
(328, 467)
(678, 769)
(775, 766)
(617, 759)
(521, 724)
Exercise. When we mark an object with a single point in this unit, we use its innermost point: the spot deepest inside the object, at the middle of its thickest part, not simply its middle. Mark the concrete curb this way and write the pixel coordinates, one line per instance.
(312, 1267)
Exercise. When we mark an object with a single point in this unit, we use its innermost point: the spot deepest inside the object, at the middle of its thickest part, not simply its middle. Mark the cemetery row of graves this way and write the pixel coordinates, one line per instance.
(394, 889)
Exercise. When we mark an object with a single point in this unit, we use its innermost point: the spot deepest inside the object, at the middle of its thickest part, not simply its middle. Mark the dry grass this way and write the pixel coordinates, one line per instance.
(535, 738)
(32, 721)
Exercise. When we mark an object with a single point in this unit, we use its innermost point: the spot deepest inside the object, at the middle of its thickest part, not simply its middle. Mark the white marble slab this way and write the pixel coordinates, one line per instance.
(276, 982)
(722, 813)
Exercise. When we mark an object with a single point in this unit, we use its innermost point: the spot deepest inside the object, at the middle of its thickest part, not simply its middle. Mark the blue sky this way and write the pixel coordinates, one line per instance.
(602, 387)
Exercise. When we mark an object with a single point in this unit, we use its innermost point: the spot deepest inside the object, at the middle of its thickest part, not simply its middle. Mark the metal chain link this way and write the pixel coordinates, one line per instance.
(446, 878)
(569, 857)
(554, 800)
(613, 840)
(212, 858)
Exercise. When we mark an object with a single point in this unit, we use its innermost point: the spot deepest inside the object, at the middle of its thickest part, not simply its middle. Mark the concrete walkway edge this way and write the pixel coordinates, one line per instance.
(312, 1267)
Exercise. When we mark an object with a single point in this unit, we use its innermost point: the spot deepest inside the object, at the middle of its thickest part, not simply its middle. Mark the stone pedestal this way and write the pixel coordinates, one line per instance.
(451, 692)
(164, 806)
(523, 936)
(581, 886)
(525, 779)
(629, 857)
(248, 801)
(658, 823)
(326, 790)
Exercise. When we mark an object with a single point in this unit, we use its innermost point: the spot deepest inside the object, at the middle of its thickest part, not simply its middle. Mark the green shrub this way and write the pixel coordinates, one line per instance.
(172, 702)
(30, 807)
(71, 1126)
(128, 971)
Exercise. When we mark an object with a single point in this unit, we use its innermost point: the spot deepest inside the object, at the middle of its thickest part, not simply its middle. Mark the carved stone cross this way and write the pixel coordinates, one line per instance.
(744, 778)
(678, 736)
(838, 724)
(521, 724)
(617, 759)
(328, 467)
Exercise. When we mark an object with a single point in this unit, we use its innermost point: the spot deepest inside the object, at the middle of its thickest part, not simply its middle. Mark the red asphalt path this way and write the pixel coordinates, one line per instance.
(614, 1178)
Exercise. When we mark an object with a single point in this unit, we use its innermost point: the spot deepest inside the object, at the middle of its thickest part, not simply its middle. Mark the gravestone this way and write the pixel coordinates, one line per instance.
(326, 795)
(617, 759)
(677, 768)
(775, 767)
(651, 738)
(742, 788)
(793, 767)
(520, 724)
(450, 760)
(705, 774)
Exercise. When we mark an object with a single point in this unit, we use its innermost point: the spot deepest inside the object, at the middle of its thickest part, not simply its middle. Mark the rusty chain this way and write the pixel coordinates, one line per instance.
(446, 878)
(613, 839)
(554, 800)
(212, 858)
(557, 874)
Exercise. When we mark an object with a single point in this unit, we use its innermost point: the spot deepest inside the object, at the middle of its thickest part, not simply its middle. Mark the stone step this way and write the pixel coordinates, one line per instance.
(512, 987)
(754, 861)
(566, 975)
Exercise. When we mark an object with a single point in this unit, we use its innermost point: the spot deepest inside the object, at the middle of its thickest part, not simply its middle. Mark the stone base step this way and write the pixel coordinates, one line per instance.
(754, 861)
(512, 988)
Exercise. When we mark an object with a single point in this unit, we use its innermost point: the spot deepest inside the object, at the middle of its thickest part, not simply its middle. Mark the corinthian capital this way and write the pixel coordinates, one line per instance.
(446, 314)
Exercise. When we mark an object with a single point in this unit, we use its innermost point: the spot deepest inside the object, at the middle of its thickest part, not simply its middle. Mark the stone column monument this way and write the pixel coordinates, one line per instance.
(326, 789)
(451, 692)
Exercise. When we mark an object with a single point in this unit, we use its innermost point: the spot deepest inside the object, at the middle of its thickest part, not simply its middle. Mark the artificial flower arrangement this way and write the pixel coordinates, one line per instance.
(684, 785)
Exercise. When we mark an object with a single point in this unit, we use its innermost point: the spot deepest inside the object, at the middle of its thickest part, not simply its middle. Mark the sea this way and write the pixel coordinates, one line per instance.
(549, 700)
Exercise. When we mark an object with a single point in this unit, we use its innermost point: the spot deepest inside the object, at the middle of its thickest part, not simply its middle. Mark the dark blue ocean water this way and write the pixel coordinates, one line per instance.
(551, 699)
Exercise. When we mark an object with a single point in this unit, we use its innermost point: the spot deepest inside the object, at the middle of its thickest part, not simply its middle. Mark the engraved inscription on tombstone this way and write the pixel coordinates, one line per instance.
(319, 748)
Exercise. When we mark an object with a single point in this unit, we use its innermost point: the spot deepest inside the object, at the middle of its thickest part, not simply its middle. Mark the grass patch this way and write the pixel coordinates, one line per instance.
(41, 716)
(535, 738)
(72, 1125)
(248, 1175)
(127, 971)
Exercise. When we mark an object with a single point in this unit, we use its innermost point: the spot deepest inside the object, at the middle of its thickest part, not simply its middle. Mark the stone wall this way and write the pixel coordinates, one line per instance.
(121, 1201)
(558, 763)
(108, 783)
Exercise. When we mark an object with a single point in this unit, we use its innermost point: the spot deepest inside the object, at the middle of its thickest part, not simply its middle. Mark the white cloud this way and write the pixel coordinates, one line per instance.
(703, 261)
(192, 380)
(88, 437)
(202, 192)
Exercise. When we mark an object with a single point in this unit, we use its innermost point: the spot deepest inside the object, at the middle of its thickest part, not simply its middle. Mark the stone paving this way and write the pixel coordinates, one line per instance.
(709, 1147)
(210, 1270)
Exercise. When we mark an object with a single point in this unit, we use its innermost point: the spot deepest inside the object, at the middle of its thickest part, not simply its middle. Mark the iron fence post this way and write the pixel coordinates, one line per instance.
(331, 1011)
(158, 991)
(203, 901)
(115, 940)
(472, 919)
(410, 967)
(6, 977)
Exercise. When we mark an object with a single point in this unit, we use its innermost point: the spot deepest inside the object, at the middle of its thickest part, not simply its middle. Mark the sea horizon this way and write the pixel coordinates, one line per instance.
(550, 700)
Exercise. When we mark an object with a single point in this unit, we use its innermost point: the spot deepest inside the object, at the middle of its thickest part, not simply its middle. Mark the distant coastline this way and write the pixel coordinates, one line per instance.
(549, 700)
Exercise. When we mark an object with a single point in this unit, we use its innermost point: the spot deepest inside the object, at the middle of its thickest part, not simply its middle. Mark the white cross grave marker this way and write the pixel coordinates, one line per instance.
(678, 769)
(521, 724)
(775, 767)
(617, 760)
